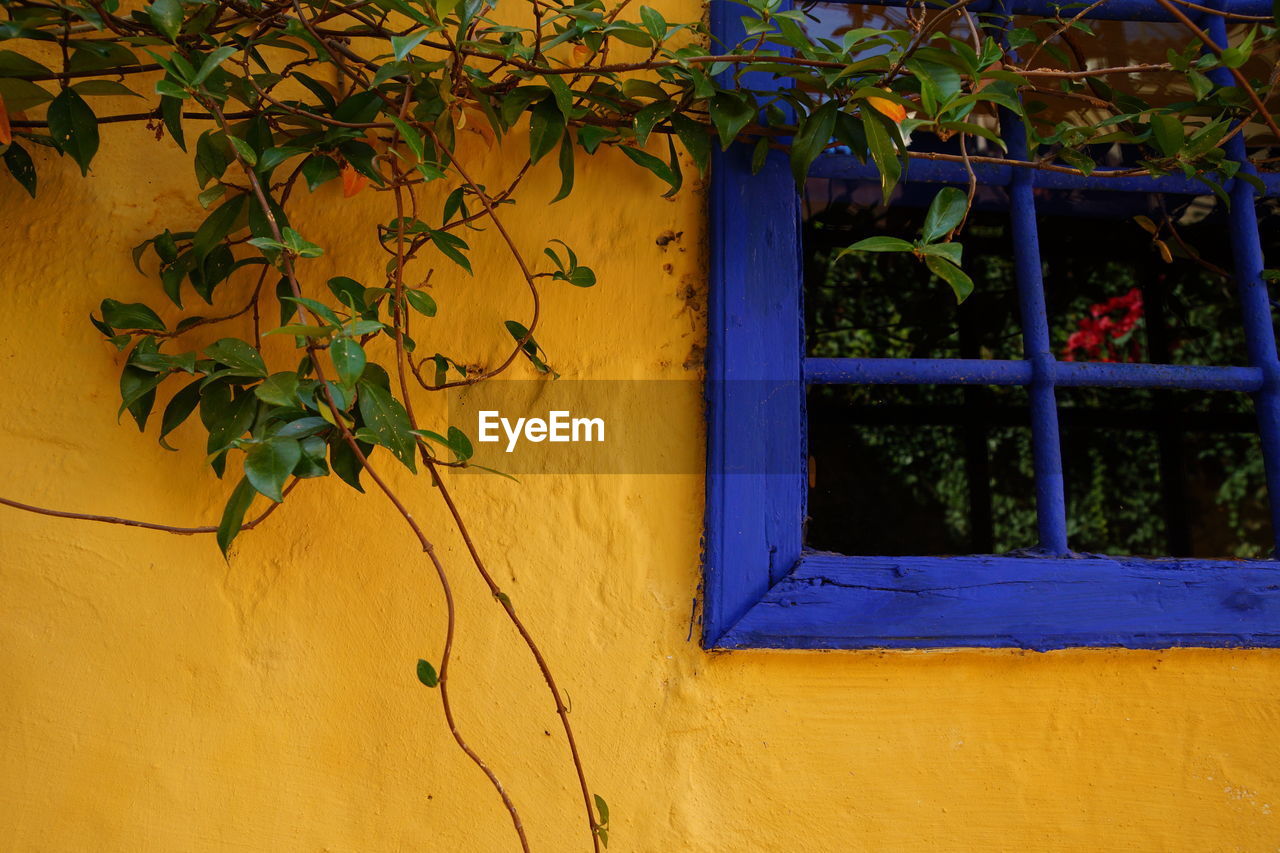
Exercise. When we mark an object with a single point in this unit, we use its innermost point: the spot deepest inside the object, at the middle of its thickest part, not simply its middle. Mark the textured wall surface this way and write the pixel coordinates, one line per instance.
(157, 698)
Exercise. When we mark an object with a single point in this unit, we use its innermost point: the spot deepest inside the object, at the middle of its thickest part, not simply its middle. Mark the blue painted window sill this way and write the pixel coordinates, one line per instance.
(829, 601)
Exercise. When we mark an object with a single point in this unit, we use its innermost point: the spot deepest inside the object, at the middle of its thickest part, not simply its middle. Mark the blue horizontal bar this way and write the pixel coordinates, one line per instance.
(1094, 374)
(915, 371)
(973, 371)
(1112, 10)
(847, 167)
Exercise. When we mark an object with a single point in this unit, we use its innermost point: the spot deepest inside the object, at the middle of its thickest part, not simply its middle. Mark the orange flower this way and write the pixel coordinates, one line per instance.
(892, 109)
(6, 135)
(352, 181)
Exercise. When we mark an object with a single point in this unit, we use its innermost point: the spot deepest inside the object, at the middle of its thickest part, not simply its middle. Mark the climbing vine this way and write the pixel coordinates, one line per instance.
(273, 99)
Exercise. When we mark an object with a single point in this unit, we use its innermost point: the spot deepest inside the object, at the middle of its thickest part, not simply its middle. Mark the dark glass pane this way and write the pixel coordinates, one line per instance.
(1168, 473)
(888, 305)
(919, 470)
(1118, 292)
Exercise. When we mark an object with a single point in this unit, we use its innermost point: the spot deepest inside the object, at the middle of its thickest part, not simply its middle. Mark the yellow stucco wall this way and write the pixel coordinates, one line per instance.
(155, 698)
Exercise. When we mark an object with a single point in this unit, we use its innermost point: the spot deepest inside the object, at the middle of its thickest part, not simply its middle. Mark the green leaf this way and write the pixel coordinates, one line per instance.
(648, 117)
(546, 126)
(518, 100)
(877, 244)
(603, 808)
(945, 213)
(16, 65)
(230, 421)
(273, 157)
(460, 444)
(166, 15)
(579, 277)
(211, 62)
(654, 23)
(130, 315)
(348, 291)
(213, 155)
(402, 45)
(319, 169)
(811, 139)
(74, 128)
(179, 409)
(138, 393)
(730, 113)
(411, 138)
(345, 463)
(302, 427)
(169, 89)
(324, 312)
(359, 155)
(348, 359)
(233, 514)
(566, 168)
(237, 355)
(269, 465)
(355, 328)
(421, 302)
(653, 164)
(953, 252)
(279, 389)
(696, 140)
(217, 226)
(1166, 130)
(451, 245)
(758, 154)
(530, 346)
(244, 149)
(952, 275)
(387, 419)
(90, 88)
(171, 113)
(883, 152)
(312, 463)
(20, 95)
(298, 245)
(427, 674)
(301, 331)
(590, 137)
(19, 164)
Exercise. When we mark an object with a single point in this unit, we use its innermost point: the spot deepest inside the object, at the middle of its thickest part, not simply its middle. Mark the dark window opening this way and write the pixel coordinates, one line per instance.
(937, 469)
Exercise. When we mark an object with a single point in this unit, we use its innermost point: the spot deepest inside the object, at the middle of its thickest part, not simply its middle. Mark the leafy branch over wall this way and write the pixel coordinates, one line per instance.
(275, 99)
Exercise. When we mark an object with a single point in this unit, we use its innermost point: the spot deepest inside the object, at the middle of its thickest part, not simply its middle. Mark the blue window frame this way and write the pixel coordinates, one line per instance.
(763, 589)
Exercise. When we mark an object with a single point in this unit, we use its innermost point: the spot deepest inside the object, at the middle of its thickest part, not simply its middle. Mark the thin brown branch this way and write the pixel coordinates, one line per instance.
(515, 253)
(427, 547)
(145, 525)
(1216, 50)
(562, 710)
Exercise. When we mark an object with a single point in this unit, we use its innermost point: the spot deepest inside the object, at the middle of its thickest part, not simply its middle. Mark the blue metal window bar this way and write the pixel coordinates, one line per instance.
(765, 590)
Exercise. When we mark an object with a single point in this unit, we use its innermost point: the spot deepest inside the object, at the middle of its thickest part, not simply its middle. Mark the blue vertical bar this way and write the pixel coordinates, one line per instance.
(1051, 504)
(1046, 444)
(1255, 302)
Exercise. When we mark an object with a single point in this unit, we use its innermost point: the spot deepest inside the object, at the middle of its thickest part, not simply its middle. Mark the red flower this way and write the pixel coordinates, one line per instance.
(1106, 323)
